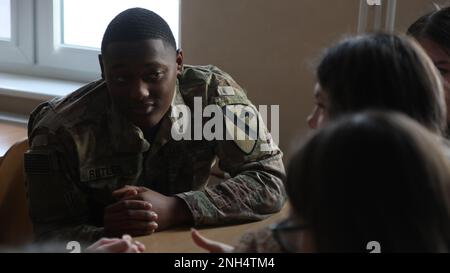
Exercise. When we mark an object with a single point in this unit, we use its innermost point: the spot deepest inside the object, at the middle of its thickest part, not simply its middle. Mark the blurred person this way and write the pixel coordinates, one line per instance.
(432, 31)
(368, 177)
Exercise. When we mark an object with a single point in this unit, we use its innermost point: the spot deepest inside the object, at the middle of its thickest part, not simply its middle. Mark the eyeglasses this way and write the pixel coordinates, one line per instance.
(286, 233)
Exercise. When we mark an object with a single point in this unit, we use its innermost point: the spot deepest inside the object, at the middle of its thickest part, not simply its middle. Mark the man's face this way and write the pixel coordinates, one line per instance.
(141, 78)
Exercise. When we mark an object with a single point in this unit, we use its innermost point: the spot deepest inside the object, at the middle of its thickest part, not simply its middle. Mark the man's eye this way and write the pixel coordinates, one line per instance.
(155, 76)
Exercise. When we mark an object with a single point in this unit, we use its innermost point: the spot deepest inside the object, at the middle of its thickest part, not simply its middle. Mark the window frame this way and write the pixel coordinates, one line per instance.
(19, 49)
(51, 52)
(35, 48)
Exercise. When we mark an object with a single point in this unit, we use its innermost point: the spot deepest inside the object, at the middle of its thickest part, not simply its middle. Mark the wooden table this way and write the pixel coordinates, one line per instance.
(10, 133)
(180, 241)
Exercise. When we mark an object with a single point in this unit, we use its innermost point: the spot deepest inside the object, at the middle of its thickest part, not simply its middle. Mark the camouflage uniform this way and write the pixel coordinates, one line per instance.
(82, 149)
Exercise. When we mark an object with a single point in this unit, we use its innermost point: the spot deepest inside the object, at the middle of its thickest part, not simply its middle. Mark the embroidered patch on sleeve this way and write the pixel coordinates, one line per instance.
(241, 124)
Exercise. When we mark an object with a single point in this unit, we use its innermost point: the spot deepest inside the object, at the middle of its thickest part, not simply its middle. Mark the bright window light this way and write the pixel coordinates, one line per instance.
(5, 19)
(85, 21)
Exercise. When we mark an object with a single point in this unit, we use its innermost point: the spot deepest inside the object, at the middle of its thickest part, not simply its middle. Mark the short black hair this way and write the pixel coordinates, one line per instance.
(137, 24)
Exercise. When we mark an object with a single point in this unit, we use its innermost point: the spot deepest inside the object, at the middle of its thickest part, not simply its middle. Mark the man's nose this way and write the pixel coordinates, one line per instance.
(140, 91)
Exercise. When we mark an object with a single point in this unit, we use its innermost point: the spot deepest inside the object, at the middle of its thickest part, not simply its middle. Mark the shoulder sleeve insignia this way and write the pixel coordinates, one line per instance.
(241, 126)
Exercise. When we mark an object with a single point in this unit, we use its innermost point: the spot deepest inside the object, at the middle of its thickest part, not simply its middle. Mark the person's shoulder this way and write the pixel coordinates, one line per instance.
(85, 103)
(192, 73)
(212, 84)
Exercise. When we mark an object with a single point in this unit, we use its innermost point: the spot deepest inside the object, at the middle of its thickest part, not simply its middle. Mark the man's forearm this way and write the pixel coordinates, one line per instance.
(250, 196)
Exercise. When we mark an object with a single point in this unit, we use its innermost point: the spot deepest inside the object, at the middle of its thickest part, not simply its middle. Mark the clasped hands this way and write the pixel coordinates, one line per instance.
(140, 211)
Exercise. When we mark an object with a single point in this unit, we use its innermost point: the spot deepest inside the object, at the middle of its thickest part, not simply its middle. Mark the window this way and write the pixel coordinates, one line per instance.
(16, 36)
(61, 38)
(88, 32)
(5, 20)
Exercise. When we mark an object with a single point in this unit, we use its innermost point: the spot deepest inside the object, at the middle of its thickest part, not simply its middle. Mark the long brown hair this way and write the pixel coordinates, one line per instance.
(434, 26)
(383, 71)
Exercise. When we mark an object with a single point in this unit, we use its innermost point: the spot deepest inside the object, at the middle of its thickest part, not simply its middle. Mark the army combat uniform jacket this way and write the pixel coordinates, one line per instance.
(82, 149)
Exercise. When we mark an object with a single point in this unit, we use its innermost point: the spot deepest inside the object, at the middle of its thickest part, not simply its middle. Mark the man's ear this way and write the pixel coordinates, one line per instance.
(179, 61)
(100, 61)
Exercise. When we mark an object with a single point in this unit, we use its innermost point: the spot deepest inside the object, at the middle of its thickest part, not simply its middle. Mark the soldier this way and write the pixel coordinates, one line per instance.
(103, 162)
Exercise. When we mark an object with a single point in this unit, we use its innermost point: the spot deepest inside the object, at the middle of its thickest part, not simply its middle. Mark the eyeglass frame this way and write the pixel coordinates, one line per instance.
(286, 225)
